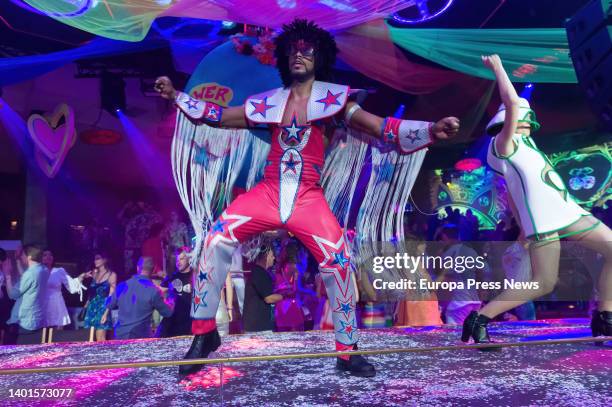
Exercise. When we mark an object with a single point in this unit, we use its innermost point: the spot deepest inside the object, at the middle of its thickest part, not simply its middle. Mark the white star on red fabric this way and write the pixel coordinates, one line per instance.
(294, 132)
(223, 229)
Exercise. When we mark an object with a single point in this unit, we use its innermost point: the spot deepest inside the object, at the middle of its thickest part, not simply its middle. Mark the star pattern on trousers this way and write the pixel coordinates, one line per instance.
(335, 262)
(202, 276)
(345, 307)
(199, 300)
(223, 228)
(347, 328)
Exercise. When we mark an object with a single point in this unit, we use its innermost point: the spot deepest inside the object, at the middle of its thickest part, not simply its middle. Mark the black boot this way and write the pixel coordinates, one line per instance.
(475, 326)
(200, 348)
(601, 323)
(357, 365)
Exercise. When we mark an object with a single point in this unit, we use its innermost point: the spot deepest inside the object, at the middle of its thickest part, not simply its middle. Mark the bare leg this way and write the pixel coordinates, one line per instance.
(100, 335)
(600, 240)
(545, 271)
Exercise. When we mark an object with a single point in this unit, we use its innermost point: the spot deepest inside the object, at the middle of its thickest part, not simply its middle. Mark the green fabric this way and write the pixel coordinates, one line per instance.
(116, 19)
(529, 55)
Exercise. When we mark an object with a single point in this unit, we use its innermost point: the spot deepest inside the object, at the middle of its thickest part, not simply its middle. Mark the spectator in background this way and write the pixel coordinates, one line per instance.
(136, 299)
(176, 236)
(56, 314)
(103, 284)
(137, 218)
(420, 307)
(464, 301)
(288, 313)
(179, 286)
(153, 248)
(259, 293)
(6, 304)
(29, 293)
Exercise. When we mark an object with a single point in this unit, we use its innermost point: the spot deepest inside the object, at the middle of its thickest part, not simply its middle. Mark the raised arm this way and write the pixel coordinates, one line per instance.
(503, 142)
(409, 135)
(207, 112)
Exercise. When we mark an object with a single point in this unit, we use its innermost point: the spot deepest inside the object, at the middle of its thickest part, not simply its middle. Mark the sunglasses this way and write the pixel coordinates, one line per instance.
(305, 49)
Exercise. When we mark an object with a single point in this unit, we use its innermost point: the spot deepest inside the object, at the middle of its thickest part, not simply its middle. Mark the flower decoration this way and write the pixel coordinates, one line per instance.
(263, 49)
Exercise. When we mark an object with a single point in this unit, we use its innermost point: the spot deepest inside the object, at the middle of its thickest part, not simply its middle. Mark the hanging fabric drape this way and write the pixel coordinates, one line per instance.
(361, 45)
(130, 20)
(528, 54)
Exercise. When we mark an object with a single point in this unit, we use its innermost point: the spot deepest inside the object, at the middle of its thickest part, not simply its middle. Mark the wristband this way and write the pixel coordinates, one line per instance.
(199, 109)
(409, 135)
(350, 113)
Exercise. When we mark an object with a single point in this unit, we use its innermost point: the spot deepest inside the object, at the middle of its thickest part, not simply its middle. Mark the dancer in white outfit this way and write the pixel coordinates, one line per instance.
(56, 312)
(544, 208)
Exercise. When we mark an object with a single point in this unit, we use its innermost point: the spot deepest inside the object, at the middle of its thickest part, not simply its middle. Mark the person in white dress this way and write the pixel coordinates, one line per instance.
(56, 312)
(544, 208)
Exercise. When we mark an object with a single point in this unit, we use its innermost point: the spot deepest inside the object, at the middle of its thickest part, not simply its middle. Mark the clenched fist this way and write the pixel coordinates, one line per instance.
(446, 128)
(163, 85)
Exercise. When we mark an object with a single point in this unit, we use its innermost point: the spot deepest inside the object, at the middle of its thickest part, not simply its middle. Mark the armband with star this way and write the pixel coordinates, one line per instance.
(409, 135)
(199, 109)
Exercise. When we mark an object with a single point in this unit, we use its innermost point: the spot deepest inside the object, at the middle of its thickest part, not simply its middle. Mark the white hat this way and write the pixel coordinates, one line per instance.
(525, 115)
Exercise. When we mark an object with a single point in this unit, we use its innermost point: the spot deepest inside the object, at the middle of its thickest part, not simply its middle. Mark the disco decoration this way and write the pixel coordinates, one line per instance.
(477, 189)
(587, 172)
(421, 11)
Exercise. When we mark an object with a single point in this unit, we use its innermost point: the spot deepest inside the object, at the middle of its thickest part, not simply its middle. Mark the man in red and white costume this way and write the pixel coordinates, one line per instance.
(290, 197)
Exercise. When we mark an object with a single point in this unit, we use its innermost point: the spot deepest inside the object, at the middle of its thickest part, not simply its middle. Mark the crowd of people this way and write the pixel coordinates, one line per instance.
(279, 289)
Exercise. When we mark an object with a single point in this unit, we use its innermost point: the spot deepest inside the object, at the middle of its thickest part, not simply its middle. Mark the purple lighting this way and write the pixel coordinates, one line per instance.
(16, 127)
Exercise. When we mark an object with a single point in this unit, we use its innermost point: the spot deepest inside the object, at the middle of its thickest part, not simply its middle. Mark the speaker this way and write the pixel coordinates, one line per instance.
(112, 92)
(589, 36)
(586, 20)
(588, 55)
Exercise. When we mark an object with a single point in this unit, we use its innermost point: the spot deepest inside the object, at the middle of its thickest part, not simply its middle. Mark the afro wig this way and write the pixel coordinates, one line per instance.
(324, 44)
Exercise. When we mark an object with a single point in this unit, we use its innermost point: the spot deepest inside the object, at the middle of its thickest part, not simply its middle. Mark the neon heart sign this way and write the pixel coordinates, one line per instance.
(52, 140)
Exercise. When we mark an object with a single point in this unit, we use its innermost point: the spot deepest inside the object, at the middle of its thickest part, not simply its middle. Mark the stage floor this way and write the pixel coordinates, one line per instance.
(548, 375)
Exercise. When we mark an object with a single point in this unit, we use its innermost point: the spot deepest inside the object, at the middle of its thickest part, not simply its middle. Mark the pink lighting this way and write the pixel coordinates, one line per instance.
(38, 360)
(209, 377)
(468, 164)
